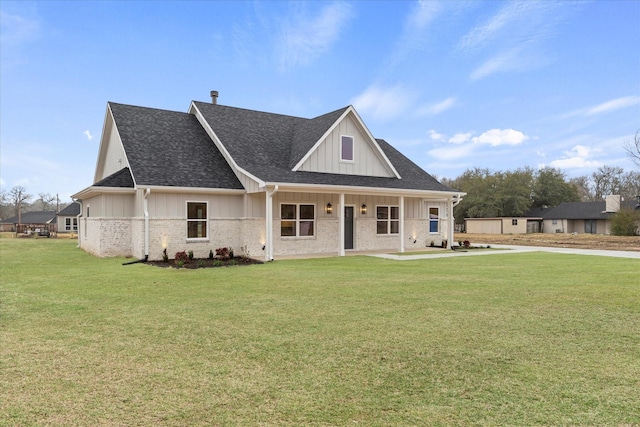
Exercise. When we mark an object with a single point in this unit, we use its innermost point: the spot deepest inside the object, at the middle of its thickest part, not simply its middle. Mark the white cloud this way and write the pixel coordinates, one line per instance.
(435, 135)
(15, 29)
(482, 33)
(577, 157)
(505, 61)
(614, 104)
(451, 153)
(88, 135)
(384, 103)
(496, 137)
(459, 138)
(306, 39)
(437, 108)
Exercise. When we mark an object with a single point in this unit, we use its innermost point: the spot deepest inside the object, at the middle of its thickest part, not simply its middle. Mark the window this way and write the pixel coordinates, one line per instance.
(434, 220)
(68, 222)
(297, 220)
(197, 220)
(514, 222)
(388, 219)
(346, 148)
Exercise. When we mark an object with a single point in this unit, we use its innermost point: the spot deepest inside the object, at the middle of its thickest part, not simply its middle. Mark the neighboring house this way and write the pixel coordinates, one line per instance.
(265, 184)
(584, 217)
(502, 225)
(67, 218)
(29, 222)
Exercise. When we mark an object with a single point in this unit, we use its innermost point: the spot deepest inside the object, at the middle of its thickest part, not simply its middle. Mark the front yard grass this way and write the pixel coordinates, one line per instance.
(505, 339)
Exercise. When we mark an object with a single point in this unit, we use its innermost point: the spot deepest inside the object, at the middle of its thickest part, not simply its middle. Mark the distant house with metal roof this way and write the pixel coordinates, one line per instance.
(266, 184)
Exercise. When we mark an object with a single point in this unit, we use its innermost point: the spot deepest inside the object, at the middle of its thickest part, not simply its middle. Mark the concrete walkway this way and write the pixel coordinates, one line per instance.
(510, 249)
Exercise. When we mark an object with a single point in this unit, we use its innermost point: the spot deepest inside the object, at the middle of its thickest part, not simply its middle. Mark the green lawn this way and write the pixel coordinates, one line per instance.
(503, 339)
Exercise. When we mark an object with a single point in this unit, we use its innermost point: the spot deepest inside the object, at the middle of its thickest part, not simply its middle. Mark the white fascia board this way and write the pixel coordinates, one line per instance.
(319, 141)
(193, 109)
(200, 190)
(94, 191)
(347, 189)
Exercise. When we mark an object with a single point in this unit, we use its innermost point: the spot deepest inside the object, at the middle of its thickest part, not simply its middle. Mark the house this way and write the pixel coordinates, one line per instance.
(67, 218)
(42, 222)
(265, 184)
(584, 217)
(502, 225)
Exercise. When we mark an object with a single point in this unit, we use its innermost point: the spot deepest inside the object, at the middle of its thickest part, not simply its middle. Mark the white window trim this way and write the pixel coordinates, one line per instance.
(297, 221)
(388, 220)
(205, 219)
(353, 149)
(429, 207)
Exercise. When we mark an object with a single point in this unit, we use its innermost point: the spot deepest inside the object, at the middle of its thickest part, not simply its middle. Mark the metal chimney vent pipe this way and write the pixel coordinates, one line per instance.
(214, 96)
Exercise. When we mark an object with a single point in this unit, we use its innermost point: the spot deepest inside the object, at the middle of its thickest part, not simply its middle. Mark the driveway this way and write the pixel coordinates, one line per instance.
(511, 249)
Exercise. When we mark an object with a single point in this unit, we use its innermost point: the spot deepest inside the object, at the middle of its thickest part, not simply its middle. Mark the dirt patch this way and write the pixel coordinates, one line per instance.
(581, 241)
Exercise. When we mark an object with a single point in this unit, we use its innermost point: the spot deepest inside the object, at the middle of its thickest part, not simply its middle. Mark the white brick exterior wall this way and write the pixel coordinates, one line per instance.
(125, 237)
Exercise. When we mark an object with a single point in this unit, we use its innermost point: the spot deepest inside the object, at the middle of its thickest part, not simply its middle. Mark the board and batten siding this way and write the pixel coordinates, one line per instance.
(366, 160)
(110, 206)
(174, 205)
(114, 156)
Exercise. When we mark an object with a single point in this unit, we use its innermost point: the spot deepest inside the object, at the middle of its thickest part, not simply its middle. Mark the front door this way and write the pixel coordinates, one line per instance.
(348, 227)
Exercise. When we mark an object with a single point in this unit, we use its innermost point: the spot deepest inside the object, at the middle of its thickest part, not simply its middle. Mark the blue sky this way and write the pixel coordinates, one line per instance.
(453, 85)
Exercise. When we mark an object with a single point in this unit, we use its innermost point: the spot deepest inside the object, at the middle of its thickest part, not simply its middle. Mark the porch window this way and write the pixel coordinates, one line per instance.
(68, 224)
(297, 220)
(434, 220)
(388, 219)
(346, 148)
(197, 220)
(514, 222)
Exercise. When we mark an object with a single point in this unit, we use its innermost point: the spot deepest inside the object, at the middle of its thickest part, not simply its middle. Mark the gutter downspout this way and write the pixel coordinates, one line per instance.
(146, 223)
(78, 201)
(269, 217)
(452, 221)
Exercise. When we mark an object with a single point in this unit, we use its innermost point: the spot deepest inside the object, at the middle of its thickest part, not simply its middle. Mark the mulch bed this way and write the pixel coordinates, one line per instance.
(206, 263)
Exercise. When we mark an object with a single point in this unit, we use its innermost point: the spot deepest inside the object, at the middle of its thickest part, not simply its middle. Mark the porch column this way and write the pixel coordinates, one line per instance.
(341, 221)
(268, 227)
(401, 231)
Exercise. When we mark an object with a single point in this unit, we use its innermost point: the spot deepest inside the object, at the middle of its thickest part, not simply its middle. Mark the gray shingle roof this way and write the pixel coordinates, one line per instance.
(71, 210)
(582, 210)
(33, 217)
(169, 148)
(268, 145)
(120, 179)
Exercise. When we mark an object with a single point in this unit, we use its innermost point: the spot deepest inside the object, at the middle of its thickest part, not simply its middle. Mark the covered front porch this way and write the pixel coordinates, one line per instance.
(326, 221)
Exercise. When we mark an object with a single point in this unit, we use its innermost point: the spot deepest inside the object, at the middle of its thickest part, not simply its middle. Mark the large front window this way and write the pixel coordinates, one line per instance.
(388, 219)
(297, 220)
(196, 220)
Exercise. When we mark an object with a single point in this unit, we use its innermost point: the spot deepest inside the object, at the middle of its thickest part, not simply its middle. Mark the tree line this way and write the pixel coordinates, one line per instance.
(513, 193)
(18, 201)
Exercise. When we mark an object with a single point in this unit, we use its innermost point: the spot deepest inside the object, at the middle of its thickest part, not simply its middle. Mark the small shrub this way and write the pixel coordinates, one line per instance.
(200, 263)
(190, 255)
(231, 252)
(466, 244)
(179, 264)
(233, 262)
(165, 255)
(217, 263)
(223, 253)
(181, 256)
(210, 253)
(625, 222)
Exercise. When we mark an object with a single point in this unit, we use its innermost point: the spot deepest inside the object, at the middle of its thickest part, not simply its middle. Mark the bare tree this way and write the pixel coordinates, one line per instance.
(19, 196)
(633, 148)
(607, 180)
(46, 201)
